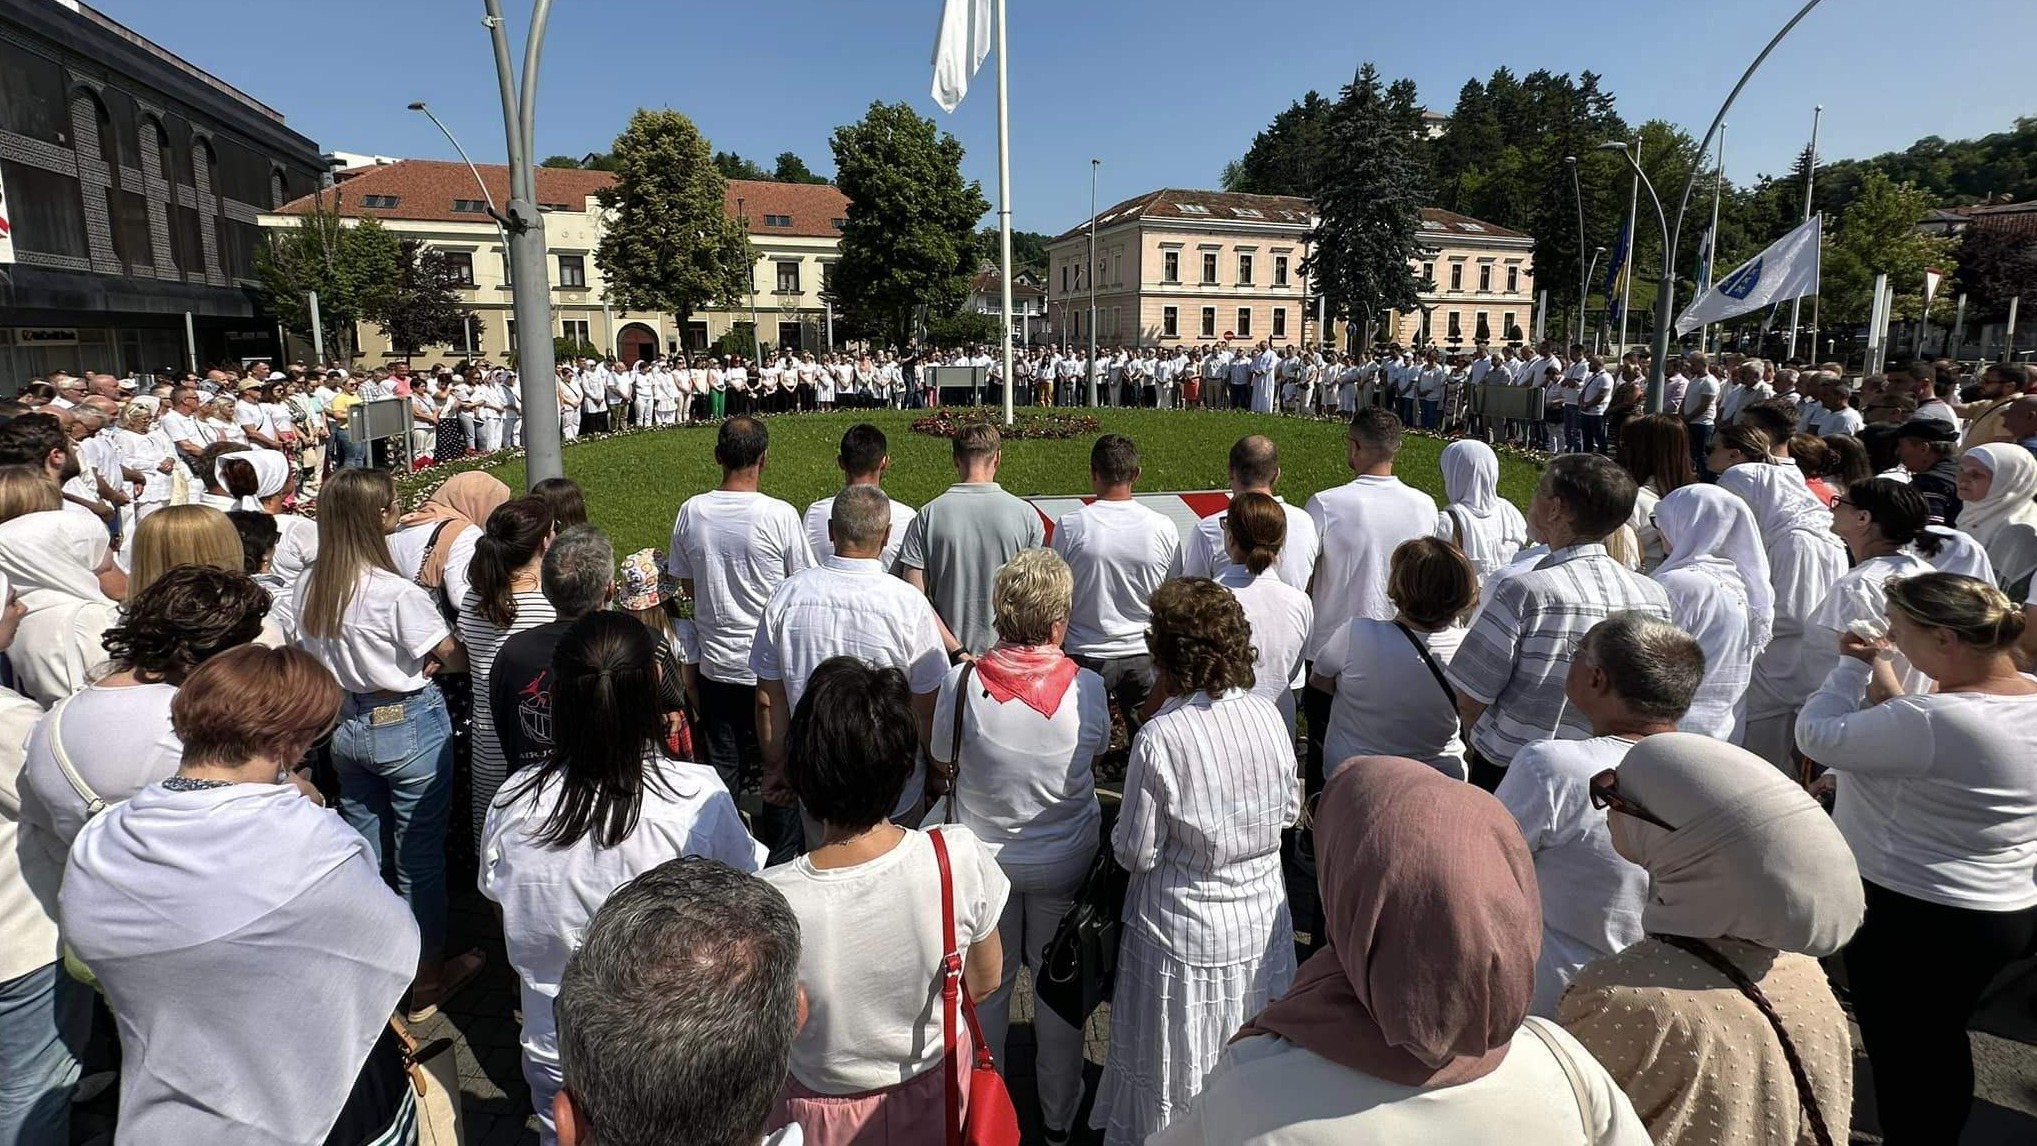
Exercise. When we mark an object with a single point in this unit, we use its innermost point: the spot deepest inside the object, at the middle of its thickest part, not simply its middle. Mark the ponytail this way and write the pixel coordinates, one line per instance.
(514, 537)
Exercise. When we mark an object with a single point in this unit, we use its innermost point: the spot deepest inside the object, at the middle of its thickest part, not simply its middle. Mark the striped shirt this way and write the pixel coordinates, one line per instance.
(1210, 786)
(1519, 649)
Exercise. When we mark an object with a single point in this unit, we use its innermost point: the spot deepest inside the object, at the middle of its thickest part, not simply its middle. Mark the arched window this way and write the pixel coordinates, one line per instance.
(276, 194)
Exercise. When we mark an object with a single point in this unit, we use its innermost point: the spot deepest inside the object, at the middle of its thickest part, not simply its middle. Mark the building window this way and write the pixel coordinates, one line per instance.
(1280, 270)
(1170, 267)
(1244, 270)
(1064, 278)
(1117, 322)
(1506, 325)
(1456, 328)
(788, 278)
(777, 220)
(509, 330)
(1485, 277)
(1170, 322)
(1456, 276)
(470, 206)
(1513, 282)
(576, 332)
(1209, 266)
(1280, 322)
(1428, 272)
(1209, 322)
(838, 224)
(1244, 328)
(384, 201)
(460, 264)
(572, 270)
(1117, 268)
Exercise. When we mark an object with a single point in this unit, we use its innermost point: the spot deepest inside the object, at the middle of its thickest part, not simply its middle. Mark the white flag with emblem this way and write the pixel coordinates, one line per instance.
(959, 48)
(1787, 269)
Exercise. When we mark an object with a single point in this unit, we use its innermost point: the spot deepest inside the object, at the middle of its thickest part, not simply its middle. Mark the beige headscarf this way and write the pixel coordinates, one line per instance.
(463, 502)
(1753, 857)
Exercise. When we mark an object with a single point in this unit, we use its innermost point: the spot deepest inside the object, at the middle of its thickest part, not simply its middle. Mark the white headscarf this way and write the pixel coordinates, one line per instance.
(54, 552)
(1779, 498)
(1753, 857)
(272, 470)
(1471, 477)
(2011, 499)
(1705, 525)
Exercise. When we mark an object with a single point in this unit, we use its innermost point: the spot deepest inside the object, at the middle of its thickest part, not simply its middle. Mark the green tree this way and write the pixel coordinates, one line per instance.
(733, 166)
(1287, 157)
(965, 328)
(909, 242)
(352, 264)
(1368, 203)
(670, 245)
(1877, 234)
(790, 168)
(739, 339)
(1028, 250)
(1996, 264)
(560, 161)
(424, 309)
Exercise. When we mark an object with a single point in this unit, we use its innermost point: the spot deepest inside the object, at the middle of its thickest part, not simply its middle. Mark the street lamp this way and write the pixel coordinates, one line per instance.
(1583, 298)
(1584, 273)
(1665, 286)
(1093, 165)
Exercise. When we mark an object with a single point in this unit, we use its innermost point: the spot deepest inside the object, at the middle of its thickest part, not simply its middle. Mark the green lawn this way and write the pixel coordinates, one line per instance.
(636, 482)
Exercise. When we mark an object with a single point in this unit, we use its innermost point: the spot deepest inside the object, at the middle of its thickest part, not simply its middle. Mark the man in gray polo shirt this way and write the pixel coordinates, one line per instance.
(952, 550)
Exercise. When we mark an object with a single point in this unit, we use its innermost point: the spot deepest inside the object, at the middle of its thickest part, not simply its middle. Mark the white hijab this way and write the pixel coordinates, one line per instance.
(1703, 525)
(1471, 477)
(54, 554)
(1486, 526)
(272, 471)
(1779, 497)
(2011, 499)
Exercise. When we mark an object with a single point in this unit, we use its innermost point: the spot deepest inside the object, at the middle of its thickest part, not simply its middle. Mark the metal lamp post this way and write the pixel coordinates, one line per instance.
(1665, 286)
(1093, 165)
(1584, 297)
(1583, 272)
(487, 197)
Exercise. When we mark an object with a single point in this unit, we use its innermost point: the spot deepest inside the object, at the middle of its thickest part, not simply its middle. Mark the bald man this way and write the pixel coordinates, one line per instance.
(1255, 468)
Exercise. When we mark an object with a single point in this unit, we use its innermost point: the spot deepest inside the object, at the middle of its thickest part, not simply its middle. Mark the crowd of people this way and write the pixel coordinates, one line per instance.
(774, 817)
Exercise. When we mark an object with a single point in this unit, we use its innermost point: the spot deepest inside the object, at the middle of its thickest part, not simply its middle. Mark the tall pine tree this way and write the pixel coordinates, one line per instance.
(671, 245)
(1369, 197)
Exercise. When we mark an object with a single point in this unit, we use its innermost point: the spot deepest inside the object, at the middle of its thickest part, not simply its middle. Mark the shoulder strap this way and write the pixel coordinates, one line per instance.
(951, 978)
(430, 546)
(1563, 1059)
(1456, 527)
(1717, 960)
(93, 803)
(1435, 670)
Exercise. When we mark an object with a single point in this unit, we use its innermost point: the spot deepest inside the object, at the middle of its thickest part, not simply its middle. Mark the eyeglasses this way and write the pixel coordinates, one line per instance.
(1605, 793)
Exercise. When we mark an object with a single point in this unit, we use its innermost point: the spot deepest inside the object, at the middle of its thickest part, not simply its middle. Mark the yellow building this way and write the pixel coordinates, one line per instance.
(1205, 267)
(795, 228)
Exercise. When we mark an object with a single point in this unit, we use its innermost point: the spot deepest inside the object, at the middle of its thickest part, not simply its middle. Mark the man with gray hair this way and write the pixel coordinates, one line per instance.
(676, 1016)
(578, 577)
(1633, 676)
(845, 606)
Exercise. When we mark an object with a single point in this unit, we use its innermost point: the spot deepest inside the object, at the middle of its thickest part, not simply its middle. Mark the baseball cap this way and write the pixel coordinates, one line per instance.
(1927, 430)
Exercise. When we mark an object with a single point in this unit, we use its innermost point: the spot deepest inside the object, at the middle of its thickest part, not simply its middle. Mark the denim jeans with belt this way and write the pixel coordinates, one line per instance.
(45, 1018)
(396, 780)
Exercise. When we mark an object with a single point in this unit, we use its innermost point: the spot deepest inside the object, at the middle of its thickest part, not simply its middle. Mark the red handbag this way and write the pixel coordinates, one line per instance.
(992, 1119)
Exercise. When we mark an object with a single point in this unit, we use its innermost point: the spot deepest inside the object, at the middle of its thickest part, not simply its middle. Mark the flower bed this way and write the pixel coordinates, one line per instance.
(1051, 426)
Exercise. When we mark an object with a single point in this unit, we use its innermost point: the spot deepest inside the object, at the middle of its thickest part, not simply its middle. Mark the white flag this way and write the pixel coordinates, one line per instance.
(959, 48)
(1787, 269)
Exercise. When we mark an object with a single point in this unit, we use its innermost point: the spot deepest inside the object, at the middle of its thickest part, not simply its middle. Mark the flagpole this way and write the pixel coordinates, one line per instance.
(1004, 206)
(1795, 304)
(1627, 271)
(1712, 242)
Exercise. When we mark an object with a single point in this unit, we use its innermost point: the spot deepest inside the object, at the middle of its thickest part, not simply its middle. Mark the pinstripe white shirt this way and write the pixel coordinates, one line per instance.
(1518, 650)
(1210, 786)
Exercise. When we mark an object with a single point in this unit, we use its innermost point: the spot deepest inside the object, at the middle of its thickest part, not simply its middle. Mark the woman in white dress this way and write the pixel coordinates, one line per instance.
(1207, 939)
(504, 598)
(1717, 579)
(606, 807)
(147, 453)
(1805, 559)
(1883, 524)
(60, 563)
(216, 422)
(1998, 483)
(1281, 616)
(1477, 519)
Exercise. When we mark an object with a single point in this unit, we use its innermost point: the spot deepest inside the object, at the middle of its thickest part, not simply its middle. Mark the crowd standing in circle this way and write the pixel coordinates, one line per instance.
(757, 808)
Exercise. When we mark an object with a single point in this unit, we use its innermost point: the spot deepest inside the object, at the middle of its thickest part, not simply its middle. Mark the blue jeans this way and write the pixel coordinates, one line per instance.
(1573, 438)
(45, 1018)
(1592, 428)
(1700, 450)
(396, 778)
(1432, 413)
(350, 455)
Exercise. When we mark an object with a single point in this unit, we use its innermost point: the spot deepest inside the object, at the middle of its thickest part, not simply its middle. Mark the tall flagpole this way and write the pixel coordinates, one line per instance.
(1004, 207)
(1633, 249)
(1712, 242)
(1795, 304)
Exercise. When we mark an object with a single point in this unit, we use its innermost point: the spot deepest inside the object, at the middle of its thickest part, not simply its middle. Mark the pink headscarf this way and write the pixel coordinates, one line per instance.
(1434, 920)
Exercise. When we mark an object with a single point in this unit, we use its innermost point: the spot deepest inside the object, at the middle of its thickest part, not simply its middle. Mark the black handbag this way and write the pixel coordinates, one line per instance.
(1080, 964)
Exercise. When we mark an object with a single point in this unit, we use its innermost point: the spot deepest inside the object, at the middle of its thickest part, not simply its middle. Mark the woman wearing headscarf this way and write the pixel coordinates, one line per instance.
(61, 564)
(264, 481)
(1720, 1025)
(434, 545)
(1477, 519)
(1716, 576)
(1998, 483)
(1804, 560)
(1882, 523)
(1412, 1025)
(1937, 796)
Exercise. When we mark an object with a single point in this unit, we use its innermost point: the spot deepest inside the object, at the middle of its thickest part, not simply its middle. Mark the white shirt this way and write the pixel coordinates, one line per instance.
(1597, 393)
(1203, 553)
(385, 633)
(1711, 605)
(1591, 898)
(1280, 617)
(1702, 387)
(1120, 551)
(1361, 523)
(870, 949)
(735, 547)
(816, 525)
(182, 428)
(30, 871)
(1860, 594)
(119, 741)
(1387, 701)
(406, 549)
(1027, 785)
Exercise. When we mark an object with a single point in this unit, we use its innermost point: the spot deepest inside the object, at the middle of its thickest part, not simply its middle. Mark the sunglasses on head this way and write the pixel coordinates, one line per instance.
(1605, 793)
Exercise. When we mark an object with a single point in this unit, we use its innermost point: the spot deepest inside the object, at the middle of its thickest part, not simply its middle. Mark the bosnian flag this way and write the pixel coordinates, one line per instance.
(1787, 269)
(959, 48)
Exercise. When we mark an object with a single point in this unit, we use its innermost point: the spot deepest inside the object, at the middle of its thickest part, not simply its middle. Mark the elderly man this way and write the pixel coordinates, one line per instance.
(1254, 468)
(2000, 385)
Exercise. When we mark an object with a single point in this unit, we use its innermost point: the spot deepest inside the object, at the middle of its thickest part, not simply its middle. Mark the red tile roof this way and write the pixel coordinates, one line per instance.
(1235, 207)
(986, 282)
(424, 190)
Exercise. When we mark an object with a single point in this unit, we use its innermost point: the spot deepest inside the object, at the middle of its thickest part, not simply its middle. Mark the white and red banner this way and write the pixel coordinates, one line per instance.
(1185, 510)
(6, 229)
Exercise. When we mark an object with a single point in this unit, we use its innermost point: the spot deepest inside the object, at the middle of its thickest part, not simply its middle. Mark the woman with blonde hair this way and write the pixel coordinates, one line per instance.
(181, 535)
(27, 489)
(216, 422)
(148, 453)
(384, 639)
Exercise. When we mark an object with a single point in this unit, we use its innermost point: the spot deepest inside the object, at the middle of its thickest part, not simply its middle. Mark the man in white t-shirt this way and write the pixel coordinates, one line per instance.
(1633, 677)
(1593, 397)
(864, 456)
(1700, 409)
(1120, 551)
(1361, 523)
(846, 606)
(180, 425)
(731, 547)
(1254, 468)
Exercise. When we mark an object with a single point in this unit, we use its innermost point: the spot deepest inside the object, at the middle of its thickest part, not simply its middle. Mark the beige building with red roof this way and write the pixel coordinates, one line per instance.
(795, 228)
(1200, 268)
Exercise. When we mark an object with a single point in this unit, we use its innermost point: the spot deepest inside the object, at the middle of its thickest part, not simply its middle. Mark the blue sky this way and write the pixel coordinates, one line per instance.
(1163, 92)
